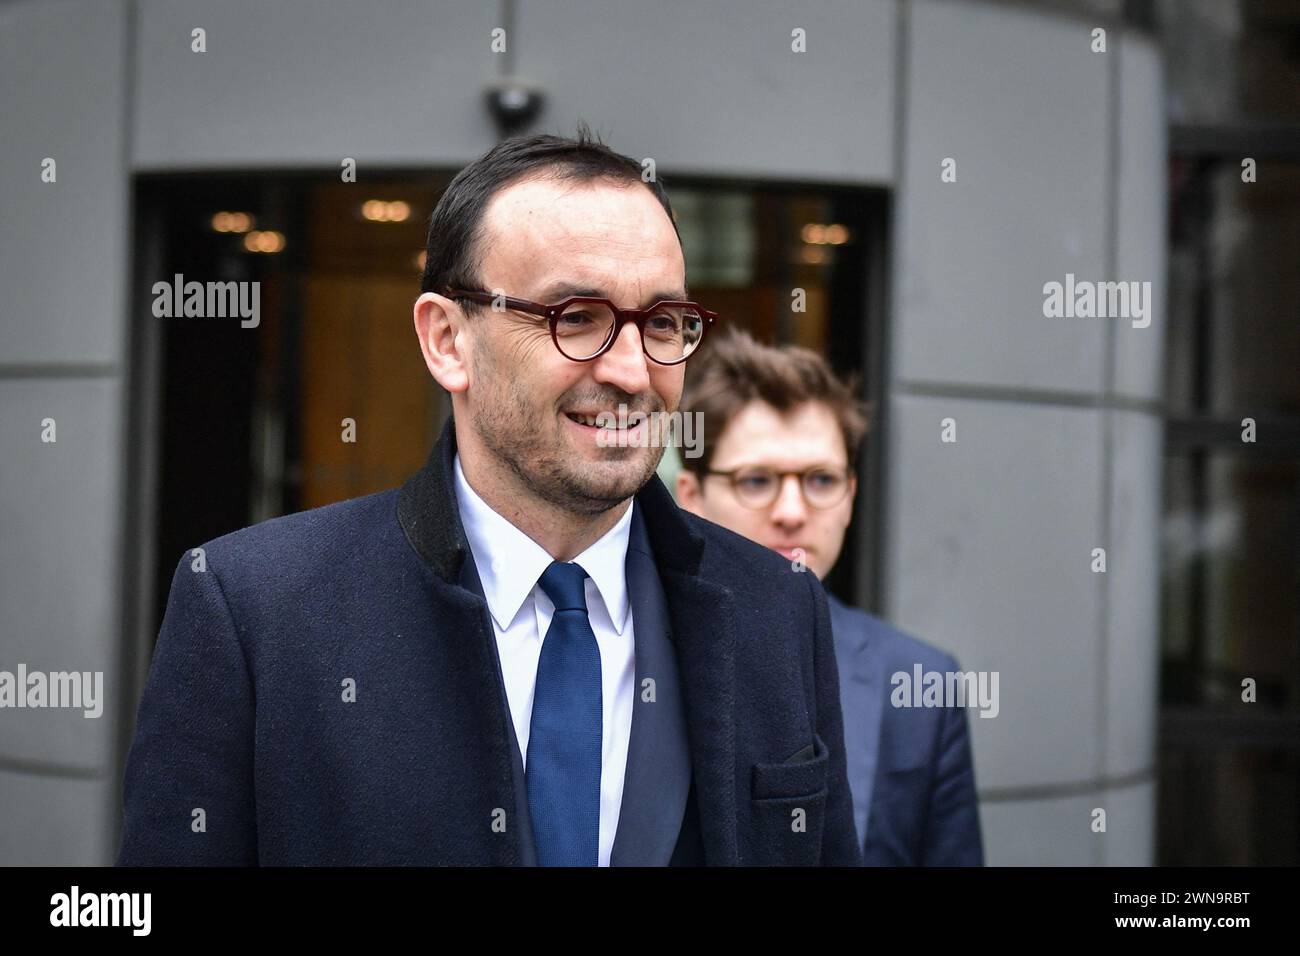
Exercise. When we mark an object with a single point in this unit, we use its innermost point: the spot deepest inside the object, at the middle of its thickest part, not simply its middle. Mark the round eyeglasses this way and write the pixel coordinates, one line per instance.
(584, 328)
(758, 487)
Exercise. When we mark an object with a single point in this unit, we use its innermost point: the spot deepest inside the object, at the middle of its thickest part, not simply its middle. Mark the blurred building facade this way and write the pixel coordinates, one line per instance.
(984, 546)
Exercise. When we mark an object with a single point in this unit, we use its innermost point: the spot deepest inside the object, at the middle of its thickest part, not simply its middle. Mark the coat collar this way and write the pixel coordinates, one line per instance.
(430, 519)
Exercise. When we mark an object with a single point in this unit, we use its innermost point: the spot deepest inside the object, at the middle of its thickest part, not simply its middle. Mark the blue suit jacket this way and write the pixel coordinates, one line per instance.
(910, 769)
(326, 690)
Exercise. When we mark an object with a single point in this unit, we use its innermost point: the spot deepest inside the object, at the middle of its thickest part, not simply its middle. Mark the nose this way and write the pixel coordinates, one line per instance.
(624, 365)
(789, 510)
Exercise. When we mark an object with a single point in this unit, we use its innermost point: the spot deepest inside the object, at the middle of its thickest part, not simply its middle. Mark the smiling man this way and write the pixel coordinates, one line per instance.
(527, 654)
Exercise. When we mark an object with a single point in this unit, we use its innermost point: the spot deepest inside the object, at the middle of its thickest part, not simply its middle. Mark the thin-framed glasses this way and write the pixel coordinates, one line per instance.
(756, 486)
(584, 328)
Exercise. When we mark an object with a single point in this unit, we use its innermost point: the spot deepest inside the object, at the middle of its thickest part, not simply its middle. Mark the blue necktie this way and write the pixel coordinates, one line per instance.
(563, 768)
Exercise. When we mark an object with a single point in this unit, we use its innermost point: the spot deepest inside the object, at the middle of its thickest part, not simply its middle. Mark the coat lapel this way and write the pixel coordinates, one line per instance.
(470, 581)
(701, 615)
(658, 775)
(429, 518)
(862, 696)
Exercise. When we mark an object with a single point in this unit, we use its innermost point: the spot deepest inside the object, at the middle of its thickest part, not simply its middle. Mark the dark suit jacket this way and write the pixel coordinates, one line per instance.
(910, 769)
(737, 748)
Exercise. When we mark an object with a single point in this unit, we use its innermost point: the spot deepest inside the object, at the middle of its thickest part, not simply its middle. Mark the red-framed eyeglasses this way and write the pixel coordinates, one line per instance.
(584, 328)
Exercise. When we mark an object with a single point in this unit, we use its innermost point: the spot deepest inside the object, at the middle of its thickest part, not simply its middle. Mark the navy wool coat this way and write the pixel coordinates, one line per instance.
(325, 690)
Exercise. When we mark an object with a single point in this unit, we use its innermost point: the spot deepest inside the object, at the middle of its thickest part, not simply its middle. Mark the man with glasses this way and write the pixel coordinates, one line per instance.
(527, 654)
(778, 465)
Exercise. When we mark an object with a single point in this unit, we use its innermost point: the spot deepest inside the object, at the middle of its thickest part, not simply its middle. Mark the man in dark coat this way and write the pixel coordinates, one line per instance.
(527, 654)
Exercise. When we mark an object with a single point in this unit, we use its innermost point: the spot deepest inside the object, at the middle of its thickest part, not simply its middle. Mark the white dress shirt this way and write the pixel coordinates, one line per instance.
(509, 564)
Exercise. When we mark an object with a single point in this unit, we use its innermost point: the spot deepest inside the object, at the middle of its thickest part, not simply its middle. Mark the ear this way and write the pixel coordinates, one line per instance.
(439, 325)
(689, 492)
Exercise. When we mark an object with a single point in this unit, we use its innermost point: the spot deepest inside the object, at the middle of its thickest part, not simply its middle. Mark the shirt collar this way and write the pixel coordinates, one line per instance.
(509, 562)
(605, 562)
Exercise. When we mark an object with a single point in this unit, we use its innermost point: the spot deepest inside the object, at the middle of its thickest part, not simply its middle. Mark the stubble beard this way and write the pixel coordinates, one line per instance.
(528, 440)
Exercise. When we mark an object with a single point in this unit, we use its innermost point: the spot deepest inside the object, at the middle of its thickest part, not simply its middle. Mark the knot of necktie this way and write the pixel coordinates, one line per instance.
(564, 583)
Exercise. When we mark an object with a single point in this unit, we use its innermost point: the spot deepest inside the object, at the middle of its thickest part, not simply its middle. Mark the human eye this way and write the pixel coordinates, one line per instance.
(575, 319)
(824, 479)
(754, 480)
(664, 323)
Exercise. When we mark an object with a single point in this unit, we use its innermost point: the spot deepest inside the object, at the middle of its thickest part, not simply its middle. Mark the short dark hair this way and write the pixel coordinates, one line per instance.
(454, 248)
(736, 370)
